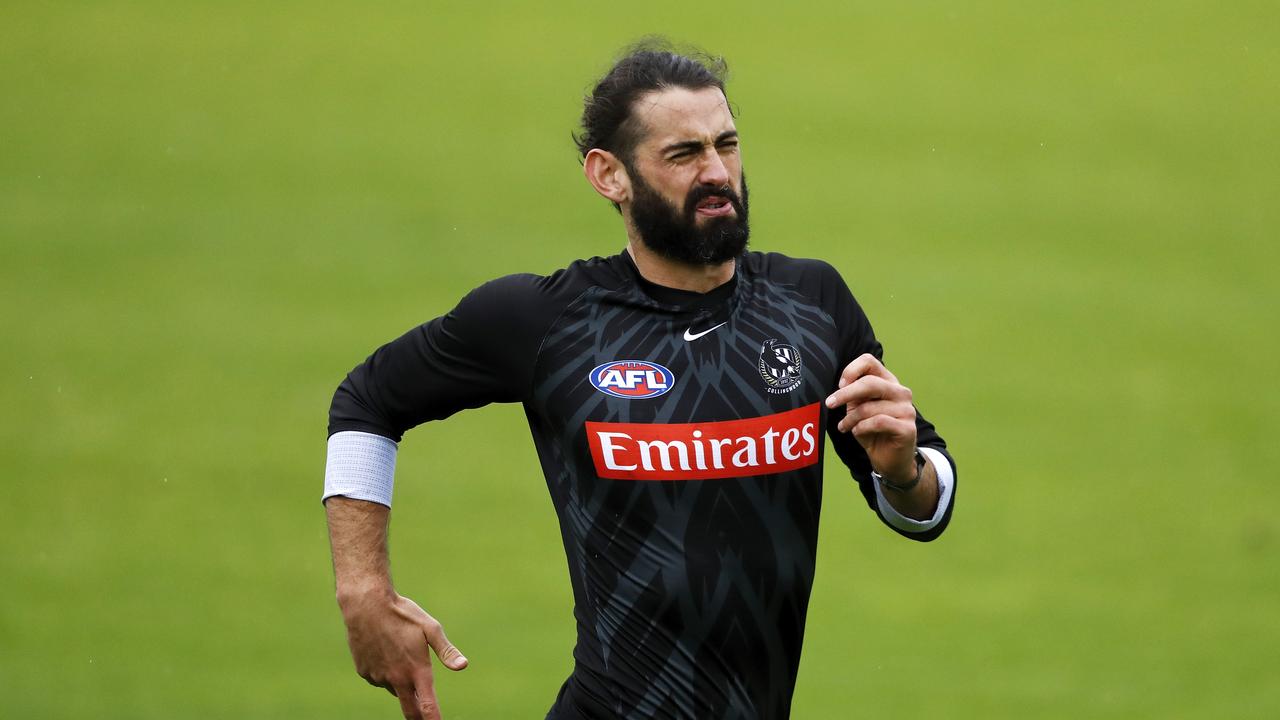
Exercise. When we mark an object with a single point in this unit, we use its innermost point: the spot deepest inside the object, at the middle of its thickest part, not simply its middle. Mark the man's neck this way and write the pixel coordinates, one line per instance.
(669, 273)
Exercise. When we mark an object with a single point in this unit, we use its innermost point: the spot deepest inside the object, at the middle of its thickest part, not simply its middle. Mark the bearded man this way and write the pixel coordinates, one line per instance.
(677, 394)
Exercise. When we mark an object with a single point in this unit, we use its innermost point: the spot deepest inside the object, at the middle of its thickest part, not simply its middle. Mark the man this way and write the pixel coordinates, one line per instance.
(677, 394)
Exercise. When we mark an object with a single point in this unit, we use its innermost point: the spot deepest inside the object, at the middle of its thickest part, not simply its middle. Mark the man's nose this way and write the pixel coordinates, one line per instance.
(713, 171)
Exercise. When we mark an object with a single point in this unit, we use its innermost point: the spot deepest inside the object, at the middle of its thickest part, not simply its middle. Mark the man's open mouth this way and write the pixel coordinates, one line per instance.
(714, 206)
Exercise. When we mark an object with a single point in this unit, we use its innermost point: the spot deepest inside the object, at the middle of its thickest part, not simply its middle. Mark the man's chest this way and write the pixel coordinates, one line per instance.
(656, 393)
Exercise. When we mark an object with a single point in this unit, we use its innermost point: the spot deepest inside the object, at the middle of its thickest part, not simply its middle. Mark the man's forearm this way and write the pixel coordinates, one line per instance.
(390, 636)
(358, 540)
(921, 501)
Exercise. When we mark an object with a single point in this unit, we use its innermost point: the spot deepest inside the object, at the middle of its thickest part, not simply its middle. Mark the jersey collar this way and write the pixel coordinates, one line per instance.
(684, 299)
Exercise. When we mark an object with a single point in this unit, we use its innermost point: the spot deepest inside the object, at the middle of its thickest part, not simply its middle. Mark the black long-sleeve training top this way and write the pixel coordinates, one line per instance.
(680, 435)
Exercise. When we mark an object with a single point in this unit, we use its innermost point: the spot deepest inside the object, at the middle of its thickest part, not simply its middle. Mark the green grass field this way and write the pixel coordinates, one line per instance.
(1062, 218)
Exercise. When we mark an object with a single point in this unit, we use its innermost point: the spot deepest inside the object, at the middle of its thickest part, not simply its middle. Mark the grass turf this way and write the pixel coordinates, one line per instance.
(1060, 217)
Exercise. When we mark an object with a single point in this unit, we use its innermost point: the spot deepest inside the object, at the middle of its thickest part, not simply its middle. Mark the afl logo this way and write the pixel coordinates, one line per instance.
(632, 379)
(779, 366)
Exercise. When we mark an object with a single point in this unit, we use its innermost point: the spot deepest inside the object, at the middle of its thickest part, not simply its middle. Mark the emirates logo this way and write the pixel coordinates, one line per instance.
(779, 366)
(756, 446)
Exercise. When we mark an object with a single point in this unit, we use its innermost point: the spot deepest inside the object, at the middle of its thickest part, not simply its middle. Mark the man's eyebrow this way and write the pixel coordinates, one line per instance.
(696, 145)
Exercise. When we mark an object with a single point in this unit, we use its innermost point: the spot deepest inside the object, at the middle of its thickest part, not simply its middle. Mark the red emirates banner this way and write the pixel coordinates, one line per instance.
(705, 451)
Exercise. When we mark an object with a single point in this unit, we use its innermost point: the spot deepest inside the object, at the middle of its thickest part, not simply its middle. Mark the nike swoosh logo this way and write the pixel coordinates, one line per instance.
(692, 336)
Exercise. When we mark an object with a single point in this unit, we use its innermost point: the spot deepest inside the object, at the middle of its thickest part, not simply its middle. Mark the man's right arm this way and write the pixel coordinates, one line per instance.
(388, 634)
(480, 352)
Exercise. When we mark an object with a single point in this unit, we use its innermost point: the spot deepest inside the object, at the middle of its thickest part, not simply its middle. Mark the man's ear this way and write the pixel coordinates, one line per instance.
(607, 175)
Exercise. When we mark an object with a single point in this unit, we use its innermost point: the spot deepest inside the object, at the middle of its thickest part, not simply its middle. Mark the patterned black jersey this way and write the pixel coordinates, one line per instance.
(681, 437)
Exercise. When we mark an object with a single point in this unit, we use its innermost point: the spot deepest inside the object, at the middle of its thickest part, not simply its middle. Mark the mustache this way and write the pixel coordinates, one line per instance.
(703, 192)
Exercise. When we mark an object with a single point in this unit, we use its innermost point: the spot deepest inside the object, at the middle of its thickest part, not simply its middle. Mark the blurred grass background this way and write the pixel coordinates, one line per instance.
(1061, 217)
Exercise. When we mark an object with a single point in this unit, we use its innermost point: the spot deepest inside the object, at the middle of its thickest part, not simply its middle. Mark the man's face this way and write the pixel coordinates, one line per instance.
(688, 193)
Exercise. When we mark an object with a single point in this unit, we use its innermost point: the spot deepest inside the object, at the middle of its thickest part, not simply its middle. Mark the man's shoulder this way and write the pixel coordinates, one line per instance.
(523, 305)
(810, 275)
(568, 281)
(520, 292)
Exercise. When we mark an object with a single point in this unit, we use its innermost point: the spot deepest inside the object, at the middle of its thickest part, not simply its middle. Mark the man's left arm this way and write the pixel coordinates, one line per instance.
(913, 483)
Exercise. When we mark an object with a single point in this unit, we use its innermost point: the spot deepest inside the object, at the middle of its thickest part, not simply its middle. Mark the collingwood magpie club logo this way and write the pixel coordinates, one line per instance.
(779, 366)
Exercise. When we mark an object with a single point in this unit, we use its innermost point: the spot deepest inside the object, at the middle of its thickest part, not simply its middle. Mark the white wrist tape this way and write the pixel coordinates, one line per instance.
(361, 466)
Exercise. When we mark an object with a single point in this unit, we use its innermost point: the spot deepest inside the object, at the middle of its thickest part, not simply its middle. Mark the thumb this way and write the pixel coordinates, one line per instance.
(450, 655)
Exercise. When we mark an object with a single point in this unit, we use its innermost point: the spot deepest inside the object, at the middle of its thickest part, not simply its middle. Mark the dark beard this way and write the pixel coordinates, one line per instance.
(674, 234)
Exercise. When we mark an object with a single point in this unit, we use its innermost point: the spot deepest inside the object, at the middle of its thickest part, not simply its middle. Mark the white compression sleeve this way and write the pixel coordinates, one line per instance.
(361, 466)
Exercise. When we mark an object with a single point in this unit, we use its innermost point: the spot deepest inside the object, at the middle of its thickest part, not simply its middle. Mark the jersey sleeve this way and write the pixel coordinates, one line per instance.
(480, 352)
(856, 338)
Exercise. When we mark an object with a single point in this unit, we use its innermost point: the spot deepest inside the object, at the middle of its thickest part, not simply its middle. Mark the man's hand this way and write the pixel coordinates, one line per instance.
(389, 637)
(878, 410)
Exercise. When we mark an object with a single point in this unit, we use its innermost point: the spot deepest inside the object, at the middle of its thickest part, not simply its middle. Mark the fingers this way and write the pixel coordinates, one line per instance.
(408, 702)
(885, 425)
(418, 696)
(865, 364)
(434, 634)
(425, 693)
(866, 388)
(857, 413)
(878, 408)
(390, 649)
(451, 656)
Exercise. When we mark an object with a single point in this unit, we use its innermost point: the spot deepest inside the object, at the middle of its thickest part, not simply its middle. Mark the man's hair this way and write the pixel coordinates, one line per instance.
(649, 65)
